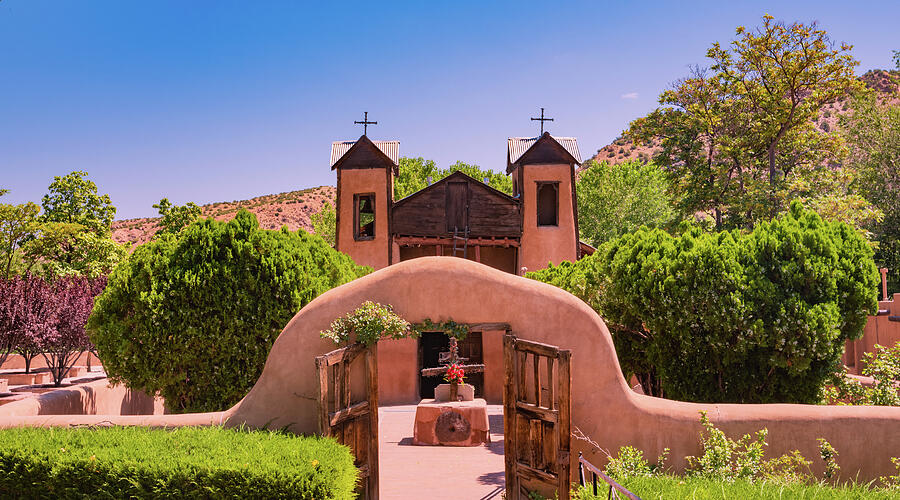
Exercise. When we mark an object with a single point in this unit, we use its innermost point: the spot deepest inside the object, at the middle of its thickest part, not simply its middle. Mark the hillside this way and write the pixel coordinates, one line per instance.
(886, 84)
(292, 209)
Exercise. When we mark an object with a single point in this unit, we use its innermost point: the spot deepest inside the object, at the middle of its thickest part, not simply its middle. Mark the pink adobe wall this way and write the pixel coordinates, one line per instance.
(542, 244)
(604, 409)
(94, 398)
(603, 406)
(374, 252)
(17, 362)
(879, 330)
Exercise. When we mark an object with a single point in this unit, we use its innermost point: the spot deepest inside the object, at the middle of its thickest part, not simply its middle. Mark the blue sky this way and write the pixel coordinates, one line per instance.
(220, 100)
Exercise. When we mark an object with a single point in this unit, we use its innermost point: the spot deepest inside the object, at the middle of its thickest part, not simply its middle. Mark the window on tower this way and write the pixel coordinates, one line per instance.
(548, 203)
(364, 216)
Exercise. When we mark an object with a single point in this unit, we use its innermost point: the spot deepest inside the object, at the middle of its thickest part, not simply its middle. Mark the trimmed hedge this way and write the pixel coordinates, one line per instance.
(190, 462)
(738, 317)
(193, 316)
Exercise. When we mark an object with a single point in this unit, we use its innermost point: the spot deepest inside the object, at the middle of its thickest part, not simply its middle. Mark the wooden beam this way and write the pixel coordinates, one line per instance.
(488, 327)
(538, 412)
(537, 348)
(353, 411)
(509, 411)
(409, 241)
(478, 253)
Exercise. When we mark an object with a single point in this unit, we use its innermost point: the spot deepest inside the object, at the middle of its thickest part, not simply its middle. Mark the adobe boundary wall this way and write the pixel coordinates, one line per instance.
(604, 408)
(93, 398)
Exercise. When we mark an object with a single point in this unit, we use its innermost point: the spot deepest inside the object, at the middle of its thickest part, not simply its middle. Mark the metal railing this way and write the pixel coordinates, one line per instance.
(614, 488)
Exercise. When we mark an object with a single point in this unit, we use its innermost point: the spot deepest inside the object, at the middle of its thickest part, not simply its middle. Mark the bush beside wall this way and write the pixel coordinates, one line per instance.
(743, 317)
(201, 462)
(193, 316)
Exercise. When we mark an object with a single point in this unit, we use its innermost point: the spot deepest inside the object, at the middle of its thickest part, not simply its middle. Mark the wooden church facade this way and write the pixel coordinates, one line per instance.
(458, 215)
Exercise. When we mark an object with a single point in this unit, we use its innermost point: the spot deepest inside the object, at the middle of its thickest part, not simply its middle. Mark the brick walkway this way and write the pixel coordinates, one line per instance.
(437, 472)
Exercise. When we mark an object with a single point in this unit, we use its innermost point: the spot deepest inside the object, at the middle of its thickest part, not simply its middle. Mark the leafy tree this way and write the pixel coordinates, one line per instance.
(62, 345)
(414, 173)
(17, 224)
(733, 316)
(73, 237)
(735, 138)
(617, 199)
(7, 318)
(192, 316)
(73, 199)
(29, 313)
(873, 134)
(324, 223)
(65, 249)
(176, 217)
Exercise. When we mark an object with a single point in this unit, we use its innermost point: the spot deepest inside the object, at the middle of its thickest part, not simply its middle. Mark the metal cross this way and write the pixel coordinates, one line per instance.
(542, 120)
(365, 123)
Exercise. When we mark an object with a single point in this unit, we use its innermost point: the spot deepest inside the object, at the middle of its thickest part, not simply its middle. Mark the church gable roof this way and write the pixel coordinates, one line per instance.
(389, 151)
(520, 147)
(458, 175)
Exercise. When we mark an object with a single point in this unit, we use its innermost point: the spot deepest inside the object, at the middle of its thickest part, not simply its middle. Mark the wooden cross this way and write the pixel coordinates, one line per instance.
(365, 123)
(449, 358)
(542, 120)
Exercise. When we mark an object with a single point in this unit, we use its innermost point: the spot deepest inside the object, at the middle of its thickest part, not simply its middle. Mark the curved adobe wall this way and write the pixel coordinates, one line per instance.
(94, 398)
(603, 407)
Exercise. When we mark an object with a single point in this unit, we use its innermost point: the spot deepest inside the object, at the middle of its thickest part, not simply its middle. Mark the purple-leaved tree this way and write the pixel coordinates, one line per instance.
(7, 288)
(62, 345)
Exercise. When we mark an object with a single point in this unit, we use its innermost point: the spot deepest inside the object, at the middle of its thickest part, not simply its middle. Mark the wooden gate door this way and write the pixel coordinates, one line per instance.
(352, 424)
(537, 413)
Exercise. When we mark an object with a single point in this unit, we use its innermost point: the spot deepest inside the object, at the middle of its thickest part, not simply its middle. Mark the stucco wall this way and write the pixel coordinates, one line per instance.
(94, 398)
(603, 407)
(542, 244)
(878, 330)
(361, 181)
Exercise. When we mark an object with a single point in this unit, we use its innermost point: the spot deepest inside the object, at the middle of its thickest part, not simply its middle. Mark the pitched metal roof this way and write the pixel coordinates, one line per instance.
(519, 145)
(390, 148)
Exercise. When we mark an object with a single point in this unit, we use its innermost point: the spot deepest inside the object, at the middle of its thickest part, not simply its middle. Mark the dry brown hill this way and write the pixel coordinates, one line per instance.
(292, 209)
(885, 83)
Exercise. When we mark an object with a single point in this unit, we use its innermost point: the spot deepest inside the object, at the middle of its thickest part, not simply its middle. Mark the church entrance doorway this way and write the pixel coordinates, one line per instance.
(434, 348)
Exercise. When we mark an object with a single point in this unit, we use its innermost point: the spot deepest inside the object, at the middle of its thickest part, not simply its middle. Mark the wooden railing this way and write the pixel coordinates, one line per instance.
(614, 488)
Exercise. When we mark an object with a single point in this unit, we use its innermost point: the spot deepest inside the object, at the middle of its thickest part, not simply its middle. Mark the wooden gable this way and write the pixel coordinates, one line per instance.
(545, 150)
(433, 210)
(365, 154)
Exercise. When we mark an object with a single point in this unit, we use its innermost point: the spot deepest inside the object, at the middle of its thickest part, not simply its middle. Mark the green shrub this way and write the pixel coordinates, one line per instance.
(201, 462)
(883, 366)
(753, 317)
(193, 316)
(370, 322)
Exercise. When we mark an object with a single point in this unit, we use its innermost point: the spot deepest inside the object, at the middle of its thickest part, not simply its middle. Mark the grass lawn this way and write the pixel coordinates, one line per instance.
(189, 462)
(677, 488)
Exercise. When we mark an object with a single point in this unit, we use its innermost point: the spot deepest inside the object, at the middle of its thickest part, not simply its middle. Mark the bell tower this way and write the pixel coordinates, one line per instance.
(543, 173)
(365, 181)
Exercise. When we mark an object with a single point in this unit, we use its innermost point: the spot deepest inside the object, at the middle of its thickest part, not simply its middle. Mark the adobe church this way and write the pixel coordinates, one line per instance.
(458, 215)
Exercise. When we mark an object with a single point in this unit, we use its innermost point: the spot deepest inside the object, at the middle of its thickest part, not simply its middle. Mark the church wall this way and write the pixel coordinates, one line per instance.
(543, 244)
(373, 252)
(500, 258)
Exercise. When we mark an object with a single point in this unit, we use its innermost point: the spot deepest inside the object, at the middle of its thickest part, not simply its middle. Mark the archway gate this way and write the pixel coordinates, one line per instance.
(537, 412)
(537, 417)
(351, 424)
